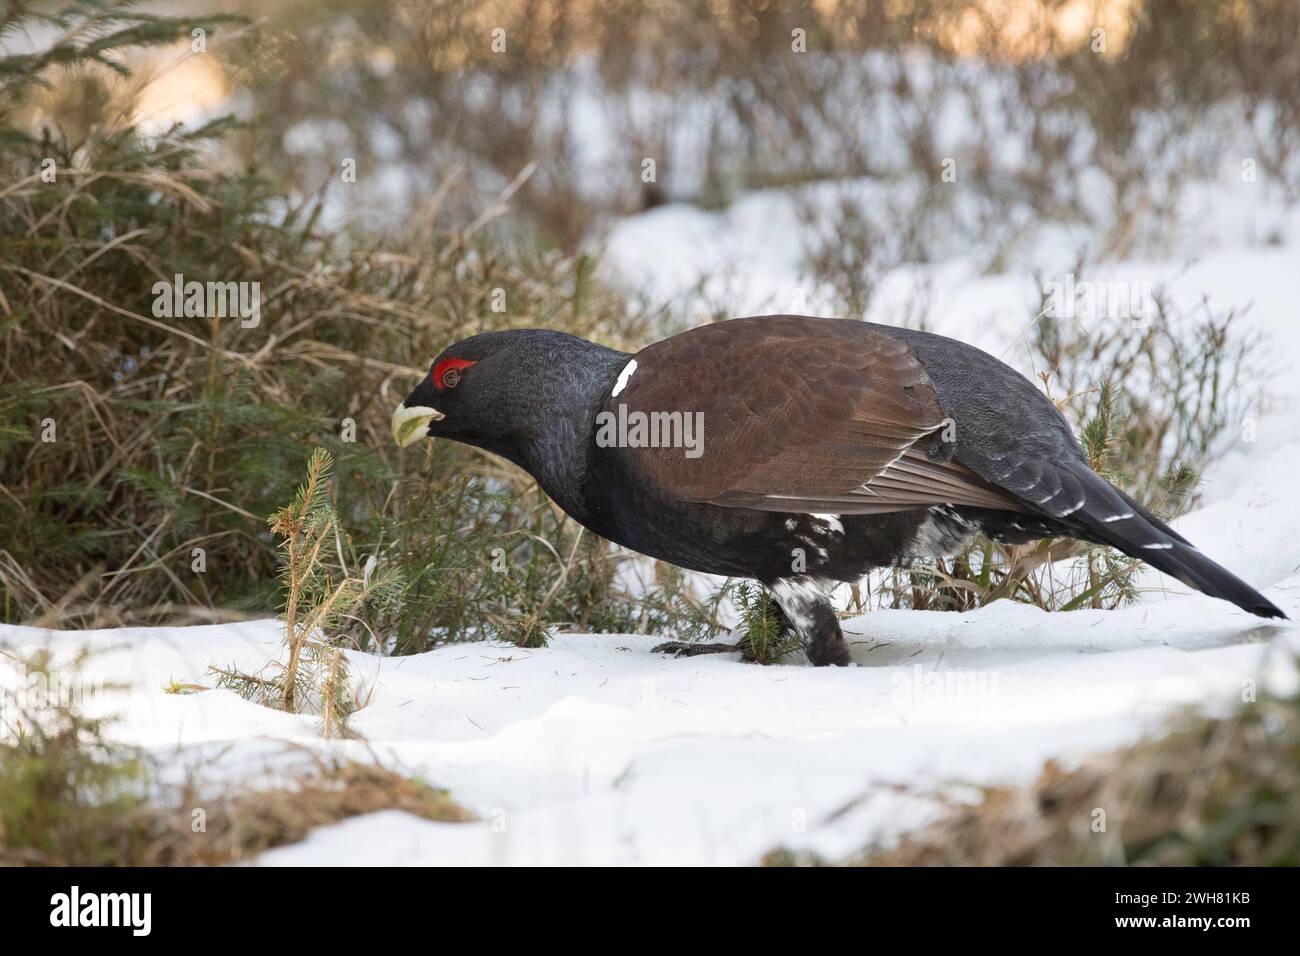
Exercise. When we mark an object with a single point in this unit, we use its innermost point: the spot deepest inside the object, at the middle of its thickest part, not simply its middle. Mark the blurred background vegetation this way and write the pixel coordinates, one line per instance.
(212, 139)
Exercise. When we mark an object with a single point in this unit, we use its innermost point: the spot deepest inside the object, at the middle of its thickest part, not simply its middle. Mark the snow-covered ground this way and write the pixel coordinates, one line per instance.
(593, 750)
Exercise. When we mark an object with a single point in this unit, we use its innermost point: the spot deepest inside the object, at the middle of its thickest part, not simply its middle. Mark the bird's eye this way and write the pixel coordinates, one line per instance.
(447, 372)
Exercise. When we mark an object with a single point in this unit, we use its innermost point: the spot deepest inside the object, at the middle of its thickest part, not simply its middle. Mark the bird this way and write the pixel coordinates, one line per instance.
(797, 451)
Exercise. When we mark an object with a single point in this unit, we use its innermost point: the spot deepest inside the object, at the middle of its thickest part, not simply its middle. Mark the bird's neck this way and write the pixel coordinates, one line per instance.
(557, 450)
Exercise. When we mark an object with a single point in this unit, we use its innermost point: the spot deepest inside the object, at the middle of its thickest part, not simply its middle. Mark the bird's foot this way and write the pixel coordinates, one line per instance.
(693, 648)
(829, 651)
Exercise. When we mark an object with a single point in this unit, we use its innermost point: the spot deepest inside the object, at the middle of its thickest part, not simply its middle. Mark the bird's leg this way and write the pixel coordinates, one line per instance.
(802, 607)
(694, 648)
(808, 610)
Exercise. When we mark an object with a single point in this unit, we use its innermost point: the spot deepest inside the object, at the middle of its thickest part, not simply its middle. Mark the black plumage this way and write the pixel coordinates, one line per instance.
(825, 448)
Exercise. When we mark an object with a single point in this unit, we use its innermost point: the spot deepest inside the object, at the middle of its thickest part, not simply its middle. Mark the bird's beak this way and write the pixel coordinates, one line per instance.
(409, 424)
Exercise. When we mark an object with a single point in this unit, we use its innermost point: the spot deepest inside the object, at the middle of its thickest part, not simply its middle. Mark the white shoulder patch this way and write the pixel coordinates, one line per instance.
(623, 376)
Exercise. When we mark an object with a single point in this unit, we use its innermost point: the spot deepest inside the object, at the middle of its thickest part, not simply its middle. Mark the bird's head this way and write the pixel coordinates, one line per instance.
(504, 391)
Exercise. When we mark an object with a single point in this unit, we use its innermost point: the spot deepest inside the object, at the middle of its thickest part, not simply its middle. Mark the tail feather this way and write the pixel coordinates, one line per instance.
(1152, 519)
(1111, 517)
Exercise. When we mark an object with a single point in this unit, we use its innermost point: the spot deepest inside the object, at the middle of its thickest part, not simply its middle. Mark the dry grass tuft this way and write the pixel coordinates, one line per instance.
(241, 825)
(1215, 791)
(71, 796)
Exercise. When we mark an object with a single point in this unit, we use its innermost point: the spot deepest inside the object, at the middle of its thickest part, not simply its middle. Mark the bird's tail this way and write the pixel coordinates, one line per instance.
(1111, 517)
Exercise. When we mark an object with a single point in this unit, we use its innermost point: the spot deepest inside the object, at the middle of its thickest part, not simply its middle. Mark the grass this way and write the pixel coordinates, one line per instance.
(72, 796)
(139, 456)
(1179, 89)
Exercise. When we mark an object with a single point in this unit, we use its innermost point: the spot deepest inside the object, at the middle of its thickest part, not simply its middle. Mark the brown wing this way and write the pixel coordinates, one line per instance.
(798, 415)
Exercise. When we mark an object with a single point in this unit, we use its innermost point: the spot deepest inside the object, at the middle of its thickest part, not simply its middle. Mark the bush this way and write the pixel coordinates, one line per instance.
(1154, 401)
(142, 453)
(1046, 120)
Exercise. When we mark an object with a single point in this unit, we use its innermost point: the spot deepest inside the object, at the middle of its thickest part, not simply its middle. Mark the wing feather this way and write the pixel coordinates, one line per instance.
(799, 415)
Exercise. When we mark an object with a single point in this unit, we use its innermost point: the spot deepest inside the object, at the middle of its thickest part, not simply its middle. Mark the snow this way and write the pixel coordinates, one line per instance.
(595, 751)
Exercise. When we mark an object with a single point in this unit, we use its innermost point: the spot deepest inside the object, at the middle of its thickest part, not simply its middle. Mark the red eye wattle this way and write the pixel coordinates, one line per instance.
(447, 372)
